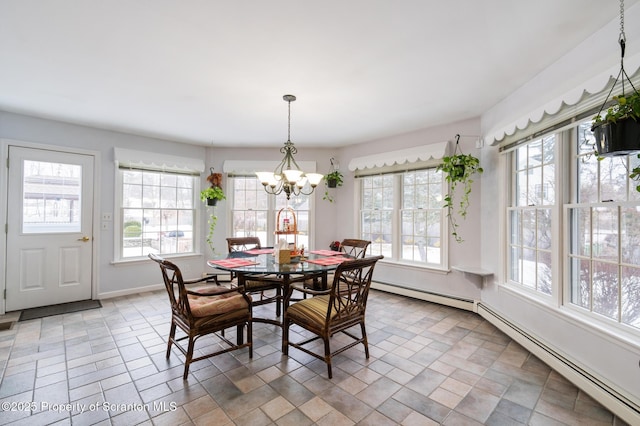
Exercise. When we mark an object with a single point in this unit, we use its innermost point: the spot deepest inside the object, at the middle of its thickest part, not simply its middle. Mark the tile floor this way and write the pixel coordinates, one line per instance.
(429, 365)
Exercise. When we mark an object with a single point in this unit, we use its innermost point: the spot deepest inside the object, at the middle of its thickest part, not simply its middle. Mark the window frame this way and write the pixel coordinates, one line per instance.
(274, 204)
(118, 219)
(396, 218)
(567, 171)
(512, 205)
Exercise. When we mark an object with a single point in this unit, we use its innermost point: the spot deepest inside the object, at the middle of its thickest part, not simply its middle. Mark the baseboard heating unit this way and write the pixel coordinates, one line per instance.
(442, 299)
(615, 401)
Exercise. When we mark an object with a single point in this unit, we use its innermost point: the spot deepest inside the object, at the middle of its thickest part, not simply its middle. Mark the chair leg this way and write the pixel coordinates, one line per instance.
(327, 355)
(285, 335)
(172, 335)
(250, 338)
(188, 358)
(365, 342)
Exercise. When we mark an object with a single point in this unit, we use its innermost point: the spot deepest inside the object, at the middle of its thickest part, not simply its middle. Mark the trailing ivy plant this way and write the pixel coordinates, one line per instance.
(333, 179)
(460, 170)
(212, 193)
(635, 174)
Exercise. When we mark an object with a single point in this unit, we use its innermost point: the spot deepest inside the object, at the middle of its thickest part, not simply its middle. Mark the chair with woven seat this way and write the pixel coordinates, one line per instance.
(332, 311)
(204, 311)
(258, 283)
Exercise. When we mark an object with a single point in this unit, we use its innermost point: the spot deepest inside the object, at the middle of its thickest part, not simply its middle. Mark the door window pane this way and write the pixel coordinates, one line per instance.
(51, 197)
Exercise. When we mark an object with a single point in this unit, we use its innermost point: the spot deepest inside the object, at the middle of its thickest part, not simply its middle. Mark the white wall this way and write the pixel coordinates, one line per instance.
(613, 360)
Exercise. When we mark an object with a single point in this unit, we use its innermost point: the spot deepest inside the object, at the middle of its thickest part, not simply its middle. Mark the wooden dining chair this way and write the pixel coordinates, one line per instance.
(236, 244)
(354, 248)
(269, 287)
(201, 312)
(349, 246)
(332, 311)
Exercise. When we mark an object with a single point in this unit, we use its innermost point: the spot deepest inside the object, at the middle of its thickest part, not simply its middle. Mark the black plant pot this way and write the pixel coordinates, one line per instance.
(458, 171)
(332, 183)
(620, 138)
(212, 201)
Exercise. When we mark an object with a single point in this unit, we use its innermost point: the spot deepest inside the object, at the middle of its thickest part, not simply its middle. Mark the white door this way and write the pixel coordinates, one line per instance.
(50, 230)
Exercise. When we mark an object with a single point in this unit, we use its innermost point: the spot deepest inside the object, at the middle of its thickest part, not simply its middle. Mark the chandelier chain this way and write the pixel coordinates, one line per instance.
(623, 37)
(289, 121)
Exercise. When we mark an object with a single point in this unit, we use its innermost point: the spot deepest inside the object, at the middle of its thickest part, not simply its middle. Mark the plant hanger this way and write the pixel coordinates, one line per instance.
(622, 74)
(617, 132)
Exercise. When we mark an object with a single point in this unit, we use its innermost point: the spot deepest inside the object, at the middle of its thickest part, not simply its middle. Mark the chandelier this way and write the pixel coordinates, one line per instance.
(288, 177)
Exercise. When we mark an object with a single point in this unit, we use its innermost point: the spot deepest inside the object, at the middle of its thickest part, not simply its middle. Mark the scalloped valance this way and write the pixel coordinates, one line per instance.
(425, 155)
(585, 97)
(156, 161)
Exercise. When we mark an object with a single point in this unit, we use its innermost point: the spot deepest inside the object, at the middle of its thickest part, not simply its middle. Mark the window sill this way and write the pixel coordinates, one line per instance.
(415, 266)
(141, 259)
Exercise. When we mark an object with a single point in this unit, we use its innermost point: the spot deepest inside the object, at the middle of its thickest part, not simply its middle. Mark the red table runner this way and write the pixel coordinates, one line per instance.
(233, 263)
(326, 252)
(260, 251)
(334, 260)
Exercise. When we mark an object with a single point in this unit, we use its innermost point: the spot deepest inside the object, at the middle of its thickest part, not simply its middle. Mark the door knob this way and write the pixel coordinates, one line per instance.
(84, 239)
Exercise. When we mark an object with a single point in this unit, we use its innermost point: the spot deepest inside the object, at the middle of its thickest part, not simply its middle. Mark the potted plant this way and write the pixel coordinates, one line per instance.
(617, 132)
(460, 169)
(211, 195)
(332, 179)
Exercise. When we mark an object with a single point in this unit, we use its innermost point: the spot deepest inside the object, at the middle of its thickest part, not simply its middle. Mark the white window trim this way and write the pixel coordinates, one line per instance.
(396, 229)
(153, 161)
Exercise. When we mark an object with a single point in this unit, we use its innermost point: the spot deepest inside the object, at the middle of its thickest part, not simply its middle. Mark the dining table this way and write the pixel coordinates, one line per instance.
(262, 262)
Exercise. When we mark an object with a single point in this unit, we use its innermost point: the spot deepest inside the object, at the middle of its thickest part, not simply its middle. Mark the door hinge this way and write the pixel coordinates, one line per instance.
(4, 294)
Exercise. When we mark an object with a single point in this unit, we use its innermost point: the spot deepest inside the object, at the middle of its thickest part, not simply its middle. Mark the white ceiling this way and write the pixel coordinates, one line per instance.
(213, 72)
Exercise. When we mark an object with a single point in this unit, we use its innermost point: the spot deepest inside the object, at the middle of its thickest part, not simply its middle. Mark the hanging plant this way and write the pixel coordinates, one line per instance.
(333, 179)
(210, 197)
(460, 169)
(618, 131)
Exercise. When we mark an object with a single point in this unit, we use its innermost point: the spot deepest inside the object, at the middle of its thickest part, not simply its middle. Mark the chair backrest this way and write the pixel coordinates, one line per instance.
(350, 289)
(242, 243)
(355, 248)
(174, 284)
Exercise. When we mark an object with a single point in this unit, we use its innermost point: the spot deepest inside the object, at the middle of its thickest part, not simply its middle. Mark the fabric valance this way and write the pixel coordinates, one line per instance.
(587, 96)
(156, 161)
(419, 156)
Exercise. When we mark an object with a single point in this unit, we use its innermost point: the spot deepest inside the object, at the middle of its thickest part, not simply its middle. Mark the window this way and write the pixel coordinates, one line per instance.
(376, 215)
(402, 215)
(530, 215)
(157, 212)
(604, 235)
(254, 212)
(600, 233)
(52, 197)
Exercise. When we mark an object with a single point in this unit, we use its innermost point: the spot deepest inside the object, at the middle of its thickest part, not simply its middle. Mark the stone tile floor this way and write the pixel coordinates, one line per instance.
(429, 365)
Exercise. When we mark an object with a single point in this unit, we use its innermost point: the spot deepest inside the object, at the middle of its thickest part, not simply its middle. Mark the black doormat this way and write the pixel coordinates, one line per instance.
(63, 308)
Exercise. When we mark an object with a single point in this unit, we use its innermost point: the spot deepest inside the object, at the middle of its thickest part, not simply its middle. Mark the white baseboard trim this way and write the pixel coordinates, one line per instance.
(614, 400)
(128, 292)
(442, 299)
